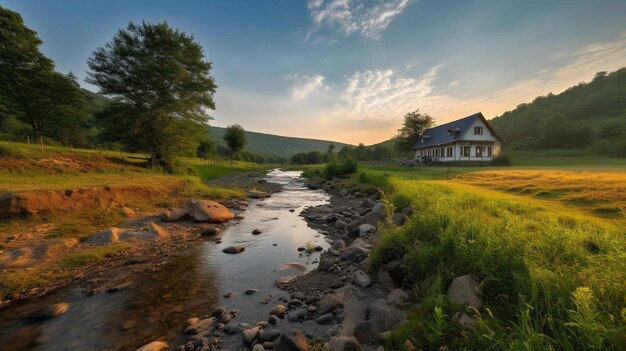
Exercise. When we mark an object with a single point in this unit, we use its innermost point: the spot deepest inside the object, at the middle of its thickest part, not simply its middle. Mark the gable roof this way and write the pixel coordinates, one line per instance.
(440, 134)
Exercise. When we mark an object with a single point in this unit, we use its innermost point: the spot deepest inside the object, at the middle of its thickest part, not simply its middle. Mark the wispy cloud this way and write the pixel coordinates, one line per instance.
(305, 85)
(367, 18)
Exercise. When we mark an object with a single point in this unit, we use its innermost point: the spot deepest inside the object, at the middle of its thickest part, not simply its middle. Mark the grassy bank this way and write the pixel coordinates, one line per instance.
(552, 268)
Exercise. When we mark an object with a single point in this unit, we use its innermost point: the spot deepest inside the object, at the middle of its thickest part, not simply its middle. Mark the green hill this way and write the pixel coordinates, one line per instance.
(589, 116)
(276, 145)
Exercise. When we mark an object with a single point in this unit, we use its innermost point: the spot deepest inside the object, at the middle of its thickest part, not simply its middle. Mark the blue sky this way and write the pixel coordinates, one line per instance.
(348, 70)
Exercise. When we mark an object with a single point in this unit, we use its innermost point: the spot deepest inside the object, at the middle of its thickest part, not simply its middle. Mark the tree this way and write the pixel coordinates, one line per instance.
(415, 123)
(50, 102)
(206, 148)
(235, 137)
(330, 152)
(161, 87)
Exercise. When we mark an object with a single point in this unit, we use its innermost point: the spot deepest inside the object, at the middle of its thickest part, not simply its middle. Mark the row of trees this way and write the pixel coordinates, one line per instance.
(155, 91)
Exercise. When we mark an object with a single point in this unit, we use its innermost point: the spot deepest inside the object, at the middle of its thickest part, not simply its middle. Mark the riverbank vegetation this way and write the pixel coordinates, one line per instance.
(551, 266)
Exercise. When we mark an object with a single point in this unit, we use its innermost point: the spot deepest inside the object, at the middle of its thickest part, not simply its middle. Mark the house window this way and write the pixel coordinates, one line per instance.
(442, 152)
(449, 152)
(488, 151)
(465, 151)
(479, 151)
(478, 130)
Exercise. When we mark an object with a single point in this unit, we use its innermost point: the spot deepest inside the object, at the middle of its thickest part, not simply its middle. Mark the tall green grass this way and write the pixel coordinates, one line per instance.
(549, 280)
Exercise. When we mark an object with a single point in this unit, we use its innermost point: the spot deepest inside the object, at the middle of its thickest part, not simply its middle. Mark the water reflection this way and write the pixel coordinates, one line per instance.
(157, 304)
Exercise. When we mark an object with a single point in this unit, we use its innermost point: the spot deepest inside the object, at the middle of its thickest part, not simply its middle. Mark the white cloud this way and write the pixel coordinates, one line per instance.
(369, 19)
(305, 85)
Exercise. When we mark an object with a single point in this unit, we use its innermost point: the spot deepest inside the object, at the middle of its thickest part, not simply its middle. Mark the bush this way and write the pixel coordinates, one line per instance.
(340, 168)
(501, 160)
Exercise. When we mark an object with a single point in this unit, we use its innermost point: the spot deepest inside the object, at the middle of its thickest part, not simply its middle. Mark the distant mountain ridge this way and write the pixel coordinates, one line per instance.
(277, 145)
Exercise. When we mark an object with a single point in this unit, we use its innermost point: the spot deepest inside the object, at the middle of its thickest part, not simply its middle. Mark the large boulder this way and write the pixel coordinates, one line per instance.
(151, 232)
(248, 335)
(345, 343)
(107, 236)
(175, 215)
(293, 342)
(234, 249)
(34, 253)
(329, 303)
(464, 290)
(379, 208)
(383, 316)
(210, 211)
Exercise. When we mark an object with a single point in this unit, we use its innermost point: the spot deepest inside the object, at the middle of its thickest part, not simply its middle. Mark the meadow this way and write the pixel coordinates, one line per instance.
(548, 245)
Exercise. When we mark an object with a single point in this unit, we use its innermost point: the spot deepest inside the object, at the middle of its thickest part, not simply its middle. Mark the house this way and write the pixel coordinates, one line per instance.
(466, 139)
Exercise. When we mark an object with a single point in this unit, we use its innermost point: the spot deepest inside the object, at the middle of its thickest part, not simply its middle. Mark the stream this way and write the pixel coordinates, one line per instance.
(156, 306)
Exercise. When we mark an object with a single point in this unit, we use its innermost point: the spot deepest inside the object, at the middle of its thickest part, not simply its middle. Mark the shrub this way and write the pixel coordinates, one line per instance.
(501, 160)
(340, 168)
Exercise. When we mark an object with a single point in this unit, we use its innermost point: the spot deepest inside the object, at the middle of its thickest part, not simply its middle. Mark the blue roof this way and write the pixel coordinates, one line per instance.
(439, 135)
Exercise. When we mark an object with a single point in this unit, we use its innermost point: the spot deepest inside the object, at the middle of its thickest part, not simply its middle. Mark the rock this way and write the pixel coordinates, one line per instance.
(400, 218)
(340, 225)
(272, 319)
(385, 279)
(200, 326)
(294, 303)
(293, 342)
(210, 211)
(231, 329)
(343, 192)
(154, 346)
(355, 252)
(234, 249)
(258, 347)
(397, 298)
(325, 318)
(383, 316)
(51, 311)
(257, 231)
(466, 320)
(127, 212)
(269, 334)
(248, 335)
(360, 278)
(175, 215)
(257, 194)
(191, 321)
(298, 295)
(225, 319)
(338, 245)
(210, 231)
(325, 264)
(107, 236)
(318, 248)
(366, 229)
(366, 332)
(278, 311)
(251, 291)
(337, 285)
(395, 271)
(379, 208)
(345, 343)
(268, 345)
(368, 203)
(227, 295)
(464, 290)
(329, 303)
(330, 218)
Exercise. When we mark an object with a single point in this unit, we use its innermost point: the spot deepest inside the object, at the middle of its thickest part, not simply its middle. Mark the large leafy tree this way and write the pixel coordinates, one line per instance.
(48, 101)
(235, 138)
(162, 88)
(415, 123)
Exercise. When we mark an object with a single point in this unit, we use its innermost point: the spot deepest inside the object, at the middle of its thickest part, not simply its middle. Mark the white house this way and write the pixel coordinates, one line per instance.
(466, 139)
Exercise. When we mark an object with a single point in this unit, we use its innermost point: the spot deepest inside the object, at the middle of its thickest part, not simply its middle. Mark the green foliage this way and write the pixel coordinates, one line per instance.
(276, 145)
(340, 168)
(380, 152)
(501, 160)
(415, 123)
(161, 86)
(309, 158)
(31, 91)
(309, 248)
(541, 282)
(235, 138)
(589, 115)
(206, 148)
(91, 255)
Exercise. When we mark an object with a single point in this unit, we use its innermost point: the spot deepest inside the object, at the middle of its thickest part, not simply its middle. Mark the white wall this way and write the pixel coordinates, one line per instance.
(486, 136)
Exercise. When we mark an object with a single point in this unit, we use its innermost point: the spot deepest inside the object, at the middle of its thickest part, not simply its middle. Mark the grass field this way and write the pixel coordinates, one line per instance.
(547, 244)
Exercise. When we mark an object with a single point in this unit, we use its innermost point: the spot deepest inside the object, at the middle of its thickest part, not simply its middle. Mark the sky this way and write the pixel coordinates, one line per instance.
(348, 70)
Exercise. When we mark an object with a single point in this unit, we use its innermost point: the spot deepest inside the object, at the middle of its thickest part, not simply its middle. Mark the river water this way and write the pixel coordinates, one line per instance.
(156, 306)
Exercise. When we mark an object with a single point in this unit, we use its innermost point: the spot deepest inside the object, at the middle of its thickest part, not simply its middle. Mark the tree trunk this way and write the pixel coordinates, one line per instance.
(36, 131)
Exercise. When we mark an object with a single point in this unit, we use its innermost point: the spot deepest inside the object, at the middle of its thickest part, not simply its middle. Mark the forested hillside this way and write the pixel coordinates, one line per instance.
(589, 116)
(276, 145)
